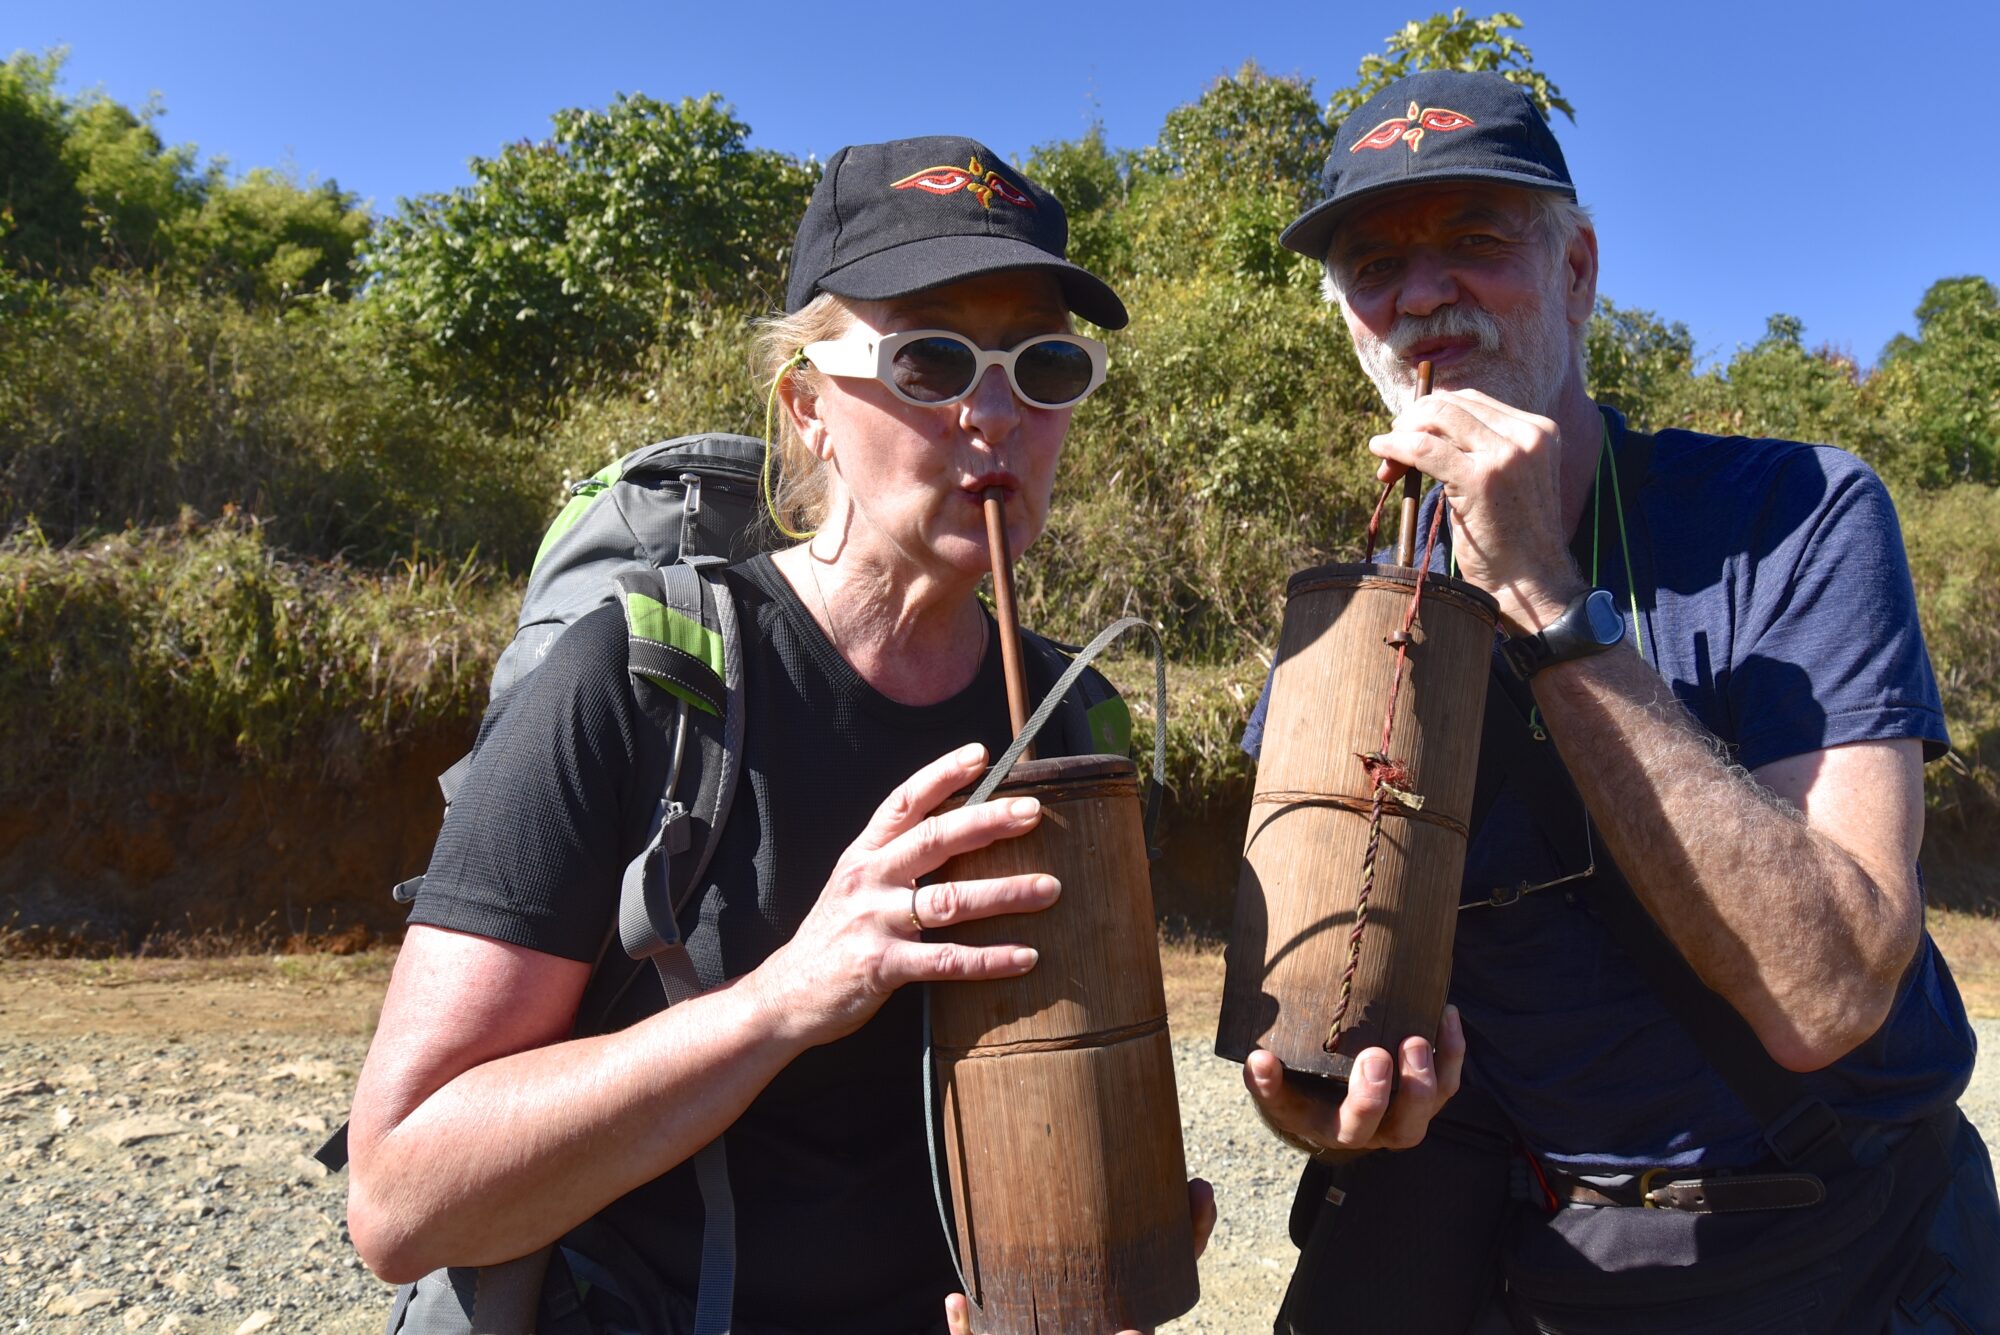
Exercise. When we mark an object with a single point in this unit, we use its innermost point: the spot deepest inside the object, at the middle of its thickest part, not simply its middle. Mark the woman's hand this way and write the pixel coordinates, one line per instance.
(1201, 1204)
(862, 939)
(1367, 1119)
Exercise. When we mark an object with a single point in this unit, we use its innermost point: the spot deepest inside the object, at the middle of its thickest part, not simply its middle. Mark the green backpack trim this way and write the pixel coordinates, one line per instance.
(674, 651)
(581, 497)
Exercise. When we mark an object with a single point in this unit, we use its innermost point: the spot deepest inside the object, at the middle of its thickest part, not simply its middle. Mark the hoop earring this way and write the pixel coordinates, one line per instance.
(771, 445)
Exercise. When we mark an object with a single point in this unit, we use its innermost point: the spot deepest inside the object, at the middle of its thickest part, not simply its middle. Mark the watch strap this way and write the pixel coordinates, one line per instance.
(1569, 636)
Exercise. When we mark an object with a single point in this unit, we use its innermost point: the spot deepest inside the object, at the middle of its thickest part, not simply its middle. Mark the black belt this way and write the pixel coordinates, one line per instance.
(1720, 1193)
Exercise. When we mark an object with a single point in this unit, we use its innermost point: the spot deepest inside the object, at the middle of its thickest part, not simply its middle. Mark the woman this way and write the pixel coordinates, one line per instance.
(925, 358)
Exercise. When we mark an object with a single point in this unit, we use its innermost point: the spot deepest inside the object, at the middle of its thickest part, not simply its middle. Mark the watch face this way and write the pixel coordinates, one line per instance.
(1601, 609)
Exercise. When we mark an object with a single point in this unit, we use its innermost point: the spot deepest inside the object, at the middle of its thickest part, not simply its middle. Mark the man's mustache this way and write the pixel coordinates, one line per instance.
(1445, 322)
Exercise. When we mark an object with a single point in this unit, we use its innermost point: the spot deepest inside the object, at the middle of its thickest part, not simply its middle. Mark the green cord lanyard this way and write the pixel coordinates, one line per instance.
(1596, 536)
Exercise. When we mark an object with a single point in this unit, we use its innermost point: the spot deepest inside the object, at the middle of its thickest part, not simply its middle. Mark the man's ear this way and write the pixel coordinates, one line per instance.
(1580, 275)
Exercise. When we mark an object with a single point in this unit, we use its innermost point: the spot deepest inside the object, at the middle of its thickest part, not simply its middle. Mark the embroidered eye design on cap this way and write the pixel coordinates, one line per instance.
(1410, 127)
(981, 181)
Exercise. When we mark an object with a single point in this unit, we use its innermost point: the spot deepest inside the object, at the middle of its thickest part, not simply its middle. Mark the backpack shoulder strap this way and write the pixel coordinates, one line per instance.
(684, 655)
(685, 643)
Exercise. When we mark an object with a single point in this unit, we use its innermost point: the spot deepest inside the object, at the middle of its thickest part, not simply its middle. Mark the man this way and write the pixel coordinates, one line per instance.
(1718, 640)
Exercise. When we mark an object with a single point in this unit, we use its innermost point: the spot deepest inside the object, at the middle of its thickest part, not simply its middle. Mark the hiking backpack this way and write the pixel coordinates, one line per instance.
(653, 532)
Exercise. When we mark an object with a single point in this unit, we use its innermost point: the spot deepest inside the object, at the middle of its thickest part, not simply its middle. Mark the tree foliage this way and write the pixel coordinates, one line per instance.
(40, 205)
(1636, 361)
(1944, 384)
(1450, 42)
(565, 259)
(1089, 177)
(1779, 387)
(265, 236)
(87, 182)
(173, 336)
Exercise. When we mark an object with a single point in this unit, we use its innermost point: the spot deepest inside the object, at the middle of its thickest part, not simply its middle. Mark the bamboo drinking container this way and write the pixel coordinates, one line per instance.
(1307, 843)
(1061, 1130)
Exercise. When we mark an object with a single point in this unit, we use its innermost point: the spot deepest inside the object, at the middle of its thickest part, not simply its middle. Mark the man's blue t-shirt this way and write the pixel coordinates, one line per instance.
(1774, 598)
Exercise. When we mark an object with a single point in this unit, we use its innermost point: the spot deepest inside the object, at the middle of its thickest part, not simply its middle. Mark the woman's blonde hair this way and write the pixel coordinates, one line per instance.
(799, 495)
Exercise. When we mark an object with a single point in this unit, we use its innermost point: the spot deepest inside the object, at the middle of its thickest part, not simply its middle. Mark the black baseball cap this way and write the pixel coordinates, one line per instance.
(1438, 125)
(890, 219)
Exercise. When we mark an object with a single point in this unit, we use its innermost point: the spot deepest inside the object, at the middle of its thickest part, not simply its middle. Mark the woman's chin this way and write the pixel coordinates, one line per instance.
(963, 557)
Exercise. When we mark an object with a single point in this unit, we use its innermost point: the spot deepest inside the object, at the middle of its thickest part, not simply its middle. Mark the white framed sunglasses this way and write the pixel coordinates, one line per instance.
(930, 367)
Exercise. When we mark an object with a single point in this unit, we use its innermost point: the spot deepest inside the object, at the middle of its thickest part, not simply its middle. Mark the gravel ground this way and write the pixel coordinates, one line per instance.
(162, 1186)
(154, 1145)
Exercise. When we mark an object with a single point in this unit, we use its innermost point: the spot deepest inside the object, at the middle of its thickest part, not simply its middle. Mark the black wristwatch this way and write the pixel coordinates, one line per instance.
(1589, 625)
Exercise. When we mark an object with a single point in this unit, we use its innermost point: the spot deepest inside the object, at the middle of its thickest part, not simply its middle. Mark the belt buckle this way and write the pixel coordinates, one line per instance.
(1646, 1188)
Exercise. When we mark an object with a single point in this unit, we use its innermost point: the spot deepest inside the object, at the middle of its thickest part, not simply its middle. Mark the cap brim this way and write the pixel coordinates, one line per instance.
(916, 266)
(1312, 231)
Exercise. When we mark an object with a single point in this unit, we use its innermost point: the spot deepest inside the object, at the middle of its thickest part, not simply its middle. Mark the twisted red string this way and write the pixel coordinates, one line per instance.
(1375, 523)
(1383, 770)
(1360, 923)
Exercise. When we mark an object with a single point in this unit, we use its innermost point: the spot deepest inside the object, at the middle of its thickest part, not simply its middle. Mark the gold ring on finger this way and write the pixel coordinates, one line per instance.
(915, 921)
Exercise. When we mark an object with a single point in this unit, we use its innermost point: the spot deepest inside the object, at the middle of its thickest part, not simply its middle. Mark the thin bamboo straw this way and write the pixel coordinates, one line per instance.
(1413, 490)
(994, 502)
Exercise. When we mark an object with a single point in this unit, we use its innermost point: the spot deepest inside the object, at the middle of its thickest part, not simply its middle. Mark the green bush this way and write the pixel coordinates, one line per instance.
(1226, 451)
(1953, 539)
(567, 260)
(198, 643)
(87, 183)
(127, 399)
(173, 341)
(1940, 391)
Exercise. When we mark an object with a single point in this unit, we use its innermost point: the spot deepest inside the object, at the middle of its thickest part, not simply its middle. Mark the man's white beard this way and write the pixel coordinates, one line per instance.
(1523, 363)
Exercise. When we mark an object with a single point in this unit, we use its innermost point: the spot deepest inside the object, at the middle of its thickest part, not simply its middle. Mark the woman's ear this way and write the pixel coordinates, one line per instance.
(802, 404)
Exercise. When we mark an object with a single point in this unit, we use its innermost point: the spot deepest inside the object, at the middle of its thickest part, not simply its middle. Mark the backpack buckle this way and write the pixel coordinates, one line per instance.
(676, 829)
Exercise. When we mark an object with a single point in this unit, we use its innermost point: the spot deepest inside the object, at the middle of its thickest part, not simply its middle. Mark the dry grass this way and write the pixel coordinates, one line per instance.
(1192, 968)
(221, 945)
(368, 967)
(1971, 945)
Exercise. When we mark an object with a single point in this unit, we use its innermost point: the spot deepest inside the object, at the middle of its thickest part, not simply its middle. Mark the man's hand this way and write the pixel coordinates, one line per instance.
(1201, 1204)
(1368, 1118)
(1502, 469)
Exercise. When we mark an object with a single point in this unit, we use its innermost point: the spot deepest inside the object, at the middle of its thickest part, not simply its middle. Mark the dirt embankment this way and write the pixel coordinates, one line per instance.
(226, 851)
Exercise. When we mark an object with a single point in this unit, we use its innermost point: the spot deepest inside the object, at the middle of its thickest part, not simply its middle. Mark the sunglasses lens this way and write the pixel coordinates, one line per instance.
(1052, 373)
(932, 370)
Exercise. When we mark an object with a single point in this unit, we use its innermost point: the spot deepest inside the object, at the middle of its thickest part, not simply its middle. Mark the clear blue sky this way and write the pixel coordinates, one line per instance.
(1829, 161)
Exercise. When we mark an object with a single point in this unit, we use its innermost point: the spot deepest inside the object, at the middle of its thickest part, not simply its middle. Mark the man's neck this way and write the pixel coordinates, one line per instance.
(1582, 429)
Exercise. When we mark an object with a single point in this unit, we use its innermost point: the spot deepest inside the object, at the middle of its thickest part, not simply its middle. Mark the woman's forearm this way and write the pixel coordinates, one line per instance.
(514, 1152)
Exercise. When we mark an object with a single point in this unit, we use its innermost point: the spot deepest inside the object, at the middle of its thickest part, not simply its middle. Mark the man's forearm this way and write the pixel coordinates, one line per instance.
(1778, 918)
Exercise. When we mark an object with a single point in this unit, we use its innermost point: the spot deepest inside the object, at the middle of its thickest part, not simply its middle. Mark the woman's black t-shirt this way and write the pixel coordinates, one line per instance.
(836, 1226)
